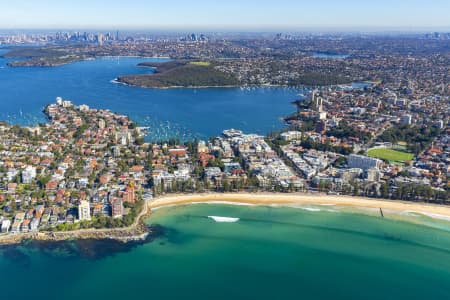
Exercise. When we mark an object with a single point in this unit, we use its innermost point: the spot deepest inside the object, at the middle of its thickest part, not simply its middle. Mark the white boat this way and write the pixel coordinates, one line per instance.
(224, 219)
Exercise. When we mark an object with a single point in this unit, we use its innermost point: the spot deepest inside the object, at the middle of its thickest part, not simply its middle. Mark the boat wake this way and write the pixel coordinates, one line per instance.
(223, 219)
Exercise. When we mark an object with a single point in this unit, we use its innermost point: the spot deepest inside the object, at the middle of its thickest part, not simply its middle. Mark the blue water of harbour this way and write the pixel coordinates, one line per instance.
(330, 55)
(182, 113)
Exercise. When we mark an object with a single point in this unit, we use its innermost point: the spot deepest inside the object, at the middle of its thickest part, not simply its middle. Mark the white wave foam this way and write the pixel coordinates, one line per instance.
(224, 219)
(410, 214)
(431, 215)
(225, 202)
(116, 81)
(310, 209)
(299, 206)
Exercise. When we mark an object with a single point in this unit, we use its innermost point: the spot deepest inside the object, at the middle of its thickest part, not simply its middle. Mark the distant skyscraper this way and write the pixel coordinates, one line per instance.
(100, 39)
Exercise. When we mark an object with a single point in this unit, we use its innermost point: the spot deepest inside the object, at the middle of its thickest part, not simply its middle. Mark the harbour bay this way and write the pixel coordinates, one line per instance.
(182, 113)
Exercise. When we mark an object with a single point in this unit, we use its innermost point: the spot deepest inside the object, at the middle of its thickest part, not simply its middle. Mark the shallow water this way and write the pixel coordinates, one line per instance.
(270, 253)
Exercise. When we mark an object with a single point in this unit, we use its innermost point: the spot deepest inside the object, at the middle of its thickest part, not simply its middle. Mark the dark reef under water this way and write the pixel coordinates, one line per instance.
(90, 249)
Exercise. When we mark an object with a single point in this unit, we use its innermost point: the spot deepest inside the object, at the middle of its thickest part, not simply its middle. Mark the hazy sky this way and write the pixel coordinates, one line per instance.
(249, 14)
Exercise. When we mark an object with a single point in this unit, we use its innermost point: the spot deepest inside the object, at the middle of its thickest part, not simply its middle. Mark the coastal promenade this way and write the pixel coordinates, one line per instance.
(136, 231)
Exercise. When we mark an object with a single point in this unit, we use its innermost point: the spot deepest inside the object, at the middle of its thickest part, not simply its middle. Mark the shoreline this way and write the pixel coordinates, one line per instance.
(117, 81)
(134, 56)
(135, 232)
(435, 211)
(12, 64)
(237, 86)
(138, 230)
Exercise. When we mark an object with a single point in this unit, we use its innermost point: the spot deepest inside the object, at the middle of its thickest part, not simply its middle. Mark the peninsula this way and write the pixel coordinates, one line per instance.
(83, 169)
(43, 57)
(181, 74)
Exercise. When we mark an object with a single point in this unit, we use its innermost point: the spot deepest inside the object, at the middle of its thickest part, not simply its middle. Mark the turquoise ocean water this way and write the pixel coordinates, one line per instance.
(270, 253)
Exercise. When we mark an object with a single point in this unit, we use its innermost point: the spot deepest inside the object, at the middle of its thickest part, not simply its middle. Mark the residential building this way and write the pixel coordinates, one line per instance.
(291, 136)
(6, 225)
(363, 162)
(28, 174)
(84, 211)
(117, 208)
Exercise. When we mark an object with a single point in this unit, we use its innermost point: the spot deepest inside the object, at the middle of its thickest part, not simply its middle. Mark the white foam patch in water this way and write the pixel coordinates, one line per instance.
(310, 209)
(116, 81)
(224, 219)
(307, 208)
(410, 214)
(225, 202)
(431, 215)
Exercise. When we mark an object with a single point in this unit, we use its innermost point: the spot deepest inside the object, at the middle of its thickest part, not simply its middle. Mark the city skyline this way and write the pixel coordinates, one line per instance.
(233, 15)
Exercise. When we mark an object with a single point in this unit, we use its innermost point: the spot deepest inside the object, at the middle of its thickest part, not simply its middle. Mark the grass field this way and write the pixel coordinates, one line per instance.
(201, 63)
(389, 154)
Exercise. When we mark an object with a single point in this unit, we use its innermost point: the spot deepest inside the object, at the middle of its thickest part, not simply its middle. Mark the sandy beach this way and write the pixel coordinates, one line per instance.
(136, 231)
(431, 210)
